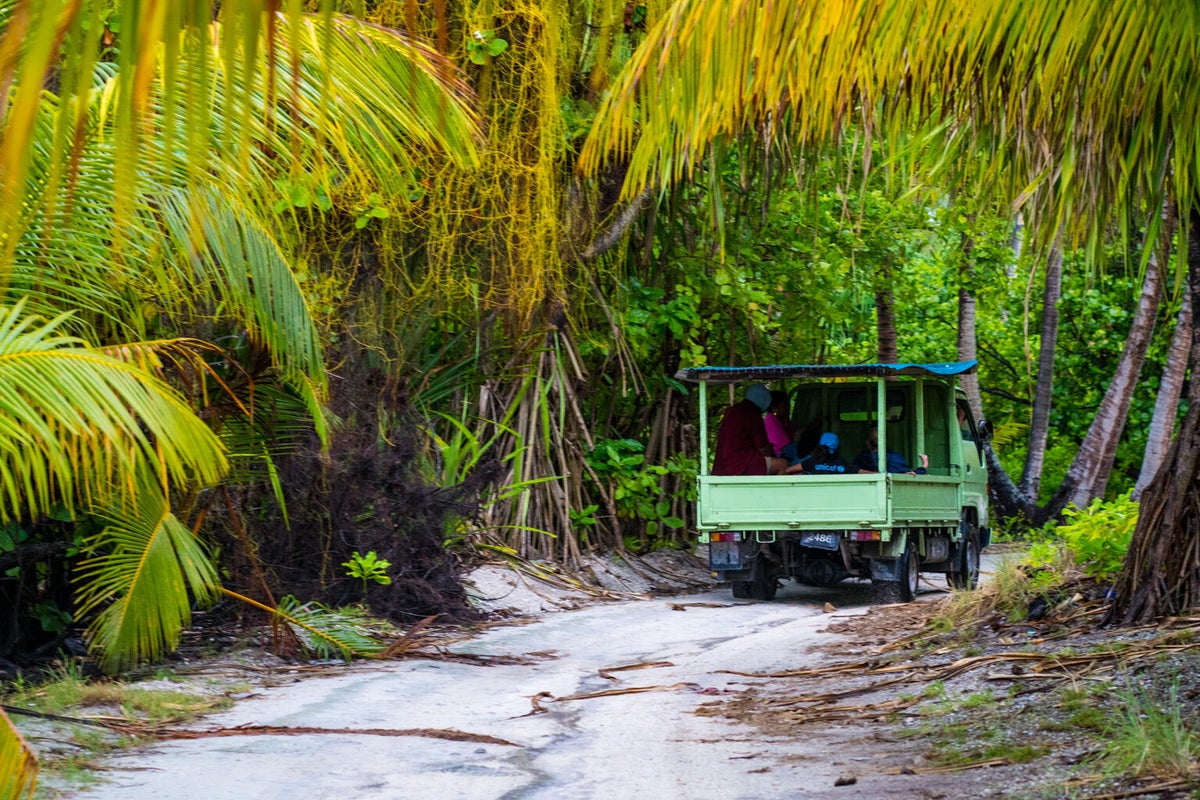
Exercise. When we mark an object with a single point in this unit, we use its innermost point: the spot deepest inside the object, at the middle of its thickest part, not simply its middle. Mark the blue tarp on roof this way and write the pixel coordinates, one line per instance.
(783, 371)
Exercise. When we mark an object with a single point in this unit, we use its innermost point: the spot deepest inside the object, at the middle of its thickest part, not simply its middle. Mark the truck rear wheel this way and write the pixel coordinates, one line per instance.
(910, 573)
(762, 579)
(966, 559)
(741, 589)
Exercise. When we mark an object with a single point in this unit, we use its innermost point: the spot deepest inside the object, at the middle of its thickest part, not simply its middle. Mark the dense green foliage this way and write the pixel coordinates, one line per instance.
(404, 354)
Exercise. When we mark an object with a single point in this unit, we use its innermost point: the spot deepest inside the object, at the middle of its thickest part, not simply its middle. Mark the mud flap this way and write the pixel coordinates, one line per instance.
(886, 569)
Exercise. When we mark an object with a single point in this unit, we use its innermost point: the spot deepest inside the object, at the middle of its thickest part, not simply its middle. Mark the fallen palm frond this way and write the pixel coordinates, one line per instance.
(449, 734)
(18, 764)
(162, 731)
(607, 671)
(123, 725)
(321, 630)
(538, 708)
(1152, 789)
(990, 762)
(630, 690)
(412, 641)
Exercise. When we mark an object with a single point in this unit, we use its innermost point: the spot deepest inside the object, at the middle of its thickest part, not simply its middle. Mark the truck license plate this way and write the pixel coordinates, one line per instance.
(724, 556)
(821, 540)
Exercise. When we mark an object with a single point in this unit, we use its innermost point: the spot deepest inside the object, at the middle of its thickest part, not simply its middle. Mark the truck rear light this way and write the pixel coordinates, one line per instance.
(729, 536)
(866, 536)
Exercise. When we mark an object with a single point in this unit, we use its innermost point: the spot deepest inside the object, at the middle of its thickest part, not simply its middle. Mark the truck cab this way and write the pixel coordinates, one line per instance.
(821, 528)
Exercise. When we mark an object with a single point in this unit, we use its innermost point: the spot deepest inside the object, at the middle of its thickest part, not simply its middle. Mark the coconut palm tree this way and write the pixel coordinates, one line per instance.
(137, 173)
(136, 200)
(1085, 104)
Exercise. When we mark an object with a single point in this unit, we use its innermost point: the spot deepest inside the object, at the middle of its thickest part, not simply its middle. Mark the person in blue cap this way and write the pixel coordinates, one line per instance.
(825, 459)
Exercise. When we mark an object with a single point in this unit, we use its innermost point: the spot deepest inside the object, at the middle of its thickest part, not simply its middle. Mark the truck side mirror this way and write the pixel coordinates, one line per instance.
(985, 430)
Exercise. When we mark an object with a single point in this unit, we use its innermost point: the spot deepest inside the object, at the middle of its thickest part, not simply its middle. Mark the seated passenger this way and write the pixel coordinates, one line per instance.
(742, 444)
(825, 460)
(780, 429)
(868, 459)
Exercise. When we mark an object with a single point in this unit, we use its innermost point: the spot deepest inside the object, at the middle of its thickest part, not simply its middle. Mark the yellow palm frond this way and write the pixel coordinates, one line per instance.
(75, 423)
(144, 570)
(18, 764)
(1090, 100)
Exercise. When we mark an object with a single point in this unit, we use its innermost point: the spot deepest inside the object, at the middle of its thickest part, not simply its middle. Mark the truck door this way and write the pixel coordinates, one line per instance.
(974, 469)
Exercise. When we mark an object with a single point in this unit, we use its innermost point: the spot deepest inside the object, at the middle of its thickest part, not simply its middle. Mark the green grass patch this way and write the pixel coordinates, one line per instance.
(1148, 737)
(74, 696)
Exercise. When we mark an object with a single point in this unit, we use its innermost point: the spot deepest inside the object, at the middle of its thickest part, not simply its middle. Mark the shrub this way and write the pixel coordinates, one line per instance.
(1098, 537)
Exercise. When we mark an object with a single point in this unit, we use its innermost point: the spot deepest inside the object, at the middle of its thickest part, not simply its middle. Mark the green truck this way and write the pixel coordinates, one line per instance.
(887, 527)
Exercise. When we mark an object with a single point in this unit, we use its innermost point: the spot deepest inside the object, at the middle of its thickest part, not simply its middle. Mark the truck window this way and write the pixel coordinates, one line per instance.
(966, 425)
(858, 405)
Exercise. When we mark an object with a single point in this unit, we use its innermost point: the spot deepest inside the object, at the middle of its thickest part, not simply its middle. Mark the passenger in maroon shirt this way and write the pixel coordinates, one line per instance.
(742, 444)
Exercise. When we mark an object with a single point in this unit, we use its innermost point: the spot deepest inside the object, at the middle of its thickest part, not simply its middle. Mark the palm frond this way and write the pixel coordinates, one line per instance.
(76, 423)
(254, 86)
(18, 764)
(145, 569)
(323, 631)
(240, 261)
(1088, 100)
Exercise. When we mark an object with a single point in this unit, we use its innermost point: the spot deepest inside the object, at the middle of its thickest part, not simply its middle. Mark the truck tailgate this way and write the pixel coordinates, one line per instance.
(925, 500)
(796, 502)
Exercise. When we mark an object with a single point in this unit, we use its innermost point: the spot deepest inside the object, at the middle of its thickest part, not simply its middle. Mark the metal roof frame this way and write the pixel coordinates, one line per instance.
(942, 369)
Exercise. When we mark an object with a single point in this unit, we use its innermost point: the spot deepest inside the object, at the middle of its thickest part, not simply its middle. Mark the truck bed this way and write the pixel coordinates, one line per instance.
(823, 502)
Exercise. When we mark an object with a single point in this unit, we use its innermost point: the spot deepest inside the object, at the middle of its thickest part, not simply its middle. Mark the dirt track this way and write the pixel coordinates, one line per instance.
(614, 700)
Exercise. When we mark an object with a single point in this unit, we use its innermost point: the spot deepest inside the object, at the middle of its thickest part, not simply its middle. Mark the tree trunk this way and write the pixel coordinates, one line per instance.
(1170, 389)
(885, 318)
(1007, 501)
(1039, 424)
(967, 344)
(1088, 474)
(1161, 574)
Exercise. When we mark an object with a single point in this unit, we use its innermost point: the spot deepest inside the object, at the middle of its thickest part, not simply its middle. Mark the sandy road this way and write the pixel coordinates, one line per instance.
(647, 744)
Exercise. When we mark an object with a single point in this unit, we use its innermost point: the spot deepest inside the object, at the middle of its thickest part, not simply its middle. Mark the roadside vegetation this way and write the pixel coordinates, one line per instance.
(1104, 712)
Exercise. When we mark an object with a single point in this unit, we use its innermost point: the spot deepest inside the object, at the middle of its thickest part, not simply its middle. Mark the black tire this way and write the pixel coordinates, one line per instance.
(762, 579)
(910, 573)
(741, 589)
(966, 560)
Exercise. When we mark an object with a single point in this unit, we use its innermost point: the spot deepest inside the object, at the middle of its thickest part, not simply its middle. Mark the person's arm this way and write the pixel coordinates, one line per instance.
(761, 443)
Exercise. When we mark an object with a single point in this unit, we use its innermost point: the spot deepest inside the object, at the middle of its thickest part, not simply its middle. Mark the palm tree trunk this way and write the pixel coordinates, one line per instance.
(968, 348)
(1170, 389)
(1088, 474)
(885, 317)
(1006, 500)
(1161, 574)
(1039, 426)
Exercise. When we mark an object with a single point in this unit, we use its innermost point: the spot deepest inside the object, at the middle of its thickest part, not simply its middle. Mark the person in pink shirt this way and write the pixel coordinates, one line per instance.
(780, 430)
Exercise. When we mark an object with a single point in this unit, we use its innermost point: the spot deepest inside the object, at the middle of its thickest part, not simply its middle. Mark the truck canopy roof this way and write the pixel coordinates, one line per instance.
(781, 371)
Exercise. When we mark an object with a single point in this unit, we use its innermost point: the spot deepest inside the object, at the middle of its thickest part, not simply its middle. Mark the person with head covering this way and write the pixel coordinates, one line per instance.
(825, 459)
(868, 459)
(742, 444)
